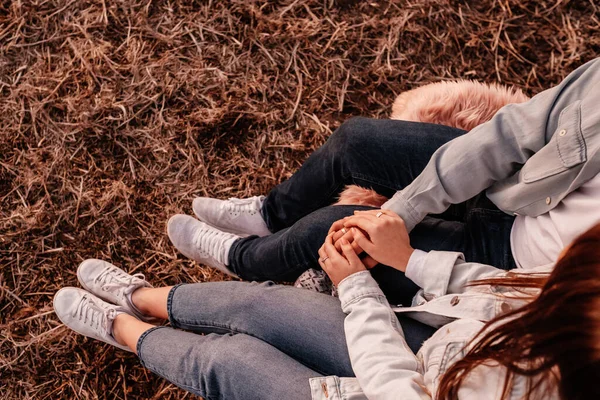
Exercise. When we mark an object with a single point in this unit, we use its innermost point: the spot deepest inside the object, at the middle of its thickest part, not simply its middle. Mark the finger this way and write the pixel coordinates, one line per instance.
(363, 242)
(322, 253)
(339, 233)
(332, 252)
(369, 262)
(351, 256)
(336, 226)
(380, 212)
(362, 222)
(348, 235)
(370, 215)
(354, 243)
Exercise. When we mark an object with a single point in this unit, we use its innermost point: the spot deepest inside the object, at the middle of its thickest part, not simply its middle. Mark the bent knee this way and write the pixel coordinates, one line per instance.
(353, 132)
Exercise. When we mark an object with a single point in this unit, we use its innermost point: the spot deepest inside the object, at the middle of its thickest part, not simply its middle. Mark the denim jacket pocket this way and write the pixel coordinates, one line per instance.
(454, 351)
(565, 149)
(336, 388)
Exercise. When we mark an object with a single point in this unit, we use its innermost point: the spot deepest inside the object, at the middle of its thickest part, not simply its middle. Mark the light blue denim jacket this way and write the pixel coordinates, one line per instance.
(529, 156)
(384, 365)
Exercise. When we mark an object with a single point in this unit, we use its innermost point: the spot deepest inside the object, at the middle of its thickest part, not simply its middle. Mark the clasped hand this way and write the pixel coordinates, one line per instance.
(381, 234)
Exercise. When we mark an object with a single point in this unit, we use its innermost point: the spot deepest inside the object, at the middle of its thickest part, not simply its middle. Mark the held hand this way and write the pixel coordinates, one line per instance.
(382, 234)
(339, 265)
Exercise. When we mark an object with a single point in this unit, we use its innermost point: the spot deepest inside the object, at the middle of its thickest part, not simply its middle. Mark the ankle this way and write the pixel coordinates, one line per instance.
(138, 300)
(118, 327)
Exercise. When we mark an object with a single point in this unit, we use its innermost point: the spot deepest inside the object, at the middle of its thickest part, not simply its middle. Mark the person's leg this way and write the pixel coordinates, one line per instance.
(231, 366)
(286, 254)
(127, 329)
(305, 325)
(381, 154)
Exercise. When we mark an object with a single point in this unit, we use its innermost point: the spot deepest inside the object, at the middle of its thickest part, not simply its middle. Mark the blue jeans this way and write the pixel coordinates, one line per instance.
(262, 341)
(384, 155)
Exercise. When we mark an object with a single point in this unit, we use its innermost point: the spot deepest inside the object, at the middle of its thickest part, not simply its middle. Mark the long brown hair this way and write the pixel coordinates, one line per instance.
(554, 340)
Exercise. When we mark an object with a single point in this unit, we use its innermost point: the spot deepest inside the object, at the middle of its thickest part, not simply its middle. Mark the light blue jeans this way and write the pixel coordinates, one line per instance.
(262, 341)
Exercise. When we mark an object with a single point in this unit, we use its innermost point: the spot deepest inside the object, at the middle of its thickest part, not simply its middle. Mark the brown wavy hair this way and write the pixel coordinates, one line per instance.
(554, 340)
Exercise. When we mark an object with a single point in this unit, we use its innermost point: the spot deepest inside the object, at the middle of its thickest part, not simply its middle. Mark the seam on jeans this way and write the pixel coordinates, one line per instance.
(337, 188)
(138, 346)
(172, 320)
(203, 324)
(158, 371)
(370, 179)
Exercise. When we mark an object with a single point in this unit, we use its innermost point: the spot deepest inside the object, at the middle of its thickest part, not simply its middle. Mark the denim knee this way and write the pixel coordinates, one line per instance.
(353, 133)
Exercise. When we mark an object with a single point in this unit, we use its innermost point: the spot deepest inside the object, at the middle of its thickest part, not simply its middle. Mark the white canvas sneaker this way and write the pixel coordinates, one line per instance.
(87, 314)
(201, 242)
(239, 216)
(112, 284)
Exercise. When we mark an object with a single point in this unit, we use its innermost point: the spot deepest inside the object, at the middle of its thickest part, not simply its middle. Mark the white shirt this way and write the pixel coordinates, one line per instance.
(539, 240)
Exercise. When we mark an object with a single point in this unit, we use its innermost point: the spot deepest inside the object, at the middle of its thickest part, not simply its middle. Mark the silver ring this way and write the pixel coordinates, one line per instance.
(344, 230)
(323, 259)
(379, 214)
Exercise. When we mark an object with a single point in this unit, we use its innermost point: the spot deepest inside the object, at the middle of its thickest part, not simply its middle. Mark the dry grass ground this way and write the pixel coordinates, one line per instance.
(115, 114)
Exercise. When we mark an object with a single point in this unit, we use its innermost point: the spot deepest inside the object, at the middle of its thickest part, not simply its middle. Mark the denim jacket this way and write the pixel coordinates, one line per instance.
(529, 156)
(384, 365)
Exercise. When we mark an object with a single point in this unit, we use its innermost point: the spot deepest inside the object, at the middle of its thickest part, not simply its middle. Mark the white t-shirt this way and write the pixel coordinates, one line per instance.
(537, 241)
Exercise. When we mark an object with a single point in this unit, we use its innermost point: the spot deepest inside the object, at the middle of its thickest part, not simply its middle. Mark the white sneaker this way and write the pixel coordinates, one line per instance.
(201, 242)
(239, 216)
(87, 314)
(112, 284)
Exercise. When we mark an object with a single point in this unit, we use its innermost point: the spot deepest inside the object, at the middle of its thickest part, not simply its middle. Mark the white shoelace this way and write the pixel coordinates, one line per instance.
(210, 241)
(113, 278)
(241, 205)
(94, 315)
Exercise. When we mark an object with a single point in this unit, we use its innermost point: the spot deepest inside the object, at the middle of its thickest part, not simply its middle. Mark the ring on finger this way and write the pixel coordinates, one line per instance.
(344, 230)
(323, 259)
(379, 214)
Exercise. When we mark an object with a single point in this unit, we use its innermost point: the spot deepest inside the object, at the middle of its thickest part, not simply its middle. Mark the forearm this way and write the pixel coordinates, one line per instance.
(491, 152)
(381, 359)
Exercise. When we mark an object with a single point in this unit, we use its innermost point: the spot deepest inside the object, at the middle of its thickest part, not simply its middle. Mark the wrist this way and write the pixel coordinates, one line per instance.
(403, 260)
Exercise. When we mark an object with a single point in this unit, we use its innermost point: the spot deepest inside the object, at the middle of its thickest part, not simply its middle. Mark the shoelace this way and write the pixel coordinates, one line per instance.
(114, 278)
(98, 316)
(207, 239)
(241, 205)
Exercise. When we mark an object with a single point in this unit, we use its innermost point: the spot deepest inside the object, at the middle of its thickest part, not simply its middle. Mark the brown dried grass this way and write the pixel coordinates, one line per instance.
(115, 114)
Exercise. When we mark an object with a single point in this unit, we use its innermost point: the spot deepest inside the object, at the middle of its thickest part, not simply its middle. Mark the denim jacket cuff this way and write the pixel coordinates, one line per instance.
(356, 287)
(432, 271)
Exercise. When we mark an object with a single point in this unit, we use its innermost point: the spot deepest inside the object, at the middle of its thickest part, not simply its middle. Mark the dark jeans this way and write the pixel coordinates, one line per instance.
(262, 341)
(384, 155)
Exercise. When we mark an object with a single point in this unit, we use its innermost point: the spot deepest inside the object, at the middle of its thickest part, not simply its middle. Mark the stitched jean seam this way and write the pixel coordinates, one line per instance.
(170, 304)
(156, 370)
(199, 324)
(369, 179)
(140, 342)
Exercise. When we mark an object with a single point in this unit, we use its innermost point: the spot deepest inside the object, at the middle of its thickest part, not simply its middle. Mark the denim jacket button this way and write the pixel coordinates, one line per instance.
(325, 391)
(455, 300)
(548, 200)
(562, 132)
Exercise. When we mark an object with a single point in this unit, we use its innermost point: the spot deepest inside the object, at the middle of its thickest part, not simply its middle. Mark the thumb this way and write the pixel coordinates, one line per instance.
(351, 255)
